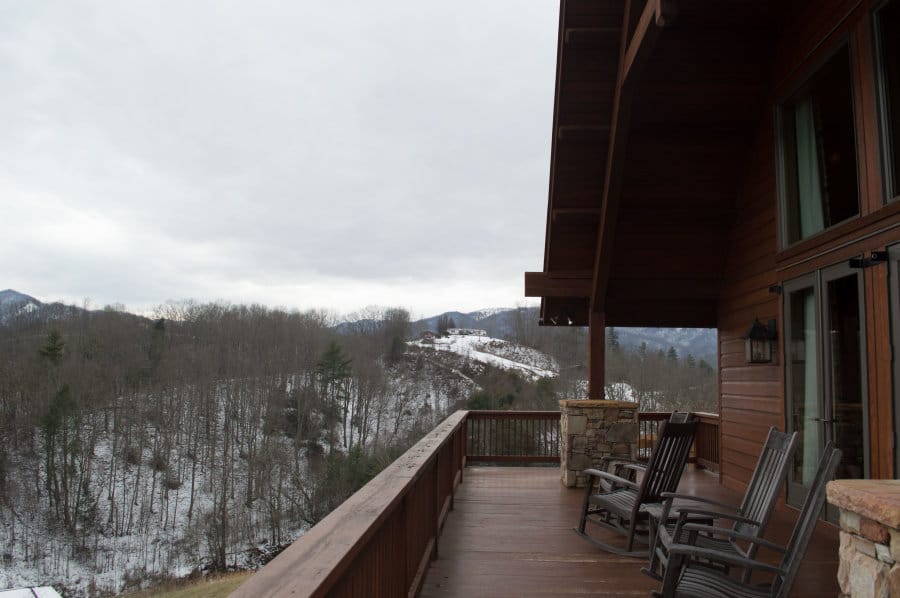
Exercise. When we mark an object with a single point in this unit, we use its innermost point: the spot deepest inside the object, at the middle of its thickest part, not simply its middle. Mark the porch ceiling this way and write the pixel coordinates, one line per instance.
(647, 157)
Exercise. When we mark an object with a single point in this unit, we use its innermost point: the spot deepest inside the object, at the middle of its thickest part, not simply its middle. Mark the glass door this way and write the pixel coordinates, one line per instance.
(802, 367)
(894, 290)
(825, 373)
(845, 416)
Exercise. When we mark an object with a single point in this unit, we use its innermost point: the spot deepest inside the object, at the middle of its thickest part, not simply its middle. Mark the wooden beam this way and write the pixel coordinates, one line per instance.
(560, 45)
(657, 14)
(543, 284)
(597, 356)
(633, 57)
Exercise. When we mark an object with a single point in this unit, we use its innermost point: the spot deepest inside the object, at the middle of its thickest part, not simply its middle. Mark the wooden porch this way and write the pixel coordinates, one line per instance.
(510, 534)
(431, 525)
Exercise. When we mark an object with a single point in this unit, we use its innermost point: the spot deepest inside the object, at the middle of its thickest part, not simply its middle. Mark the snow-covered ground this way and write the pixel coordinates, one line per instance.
(620, 391)
(496, 352)
(144, 529)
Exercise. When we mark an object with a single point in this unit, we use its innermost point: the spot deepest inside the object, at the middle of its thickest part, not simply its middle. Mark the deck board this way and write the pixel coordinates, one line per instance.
(510, 534)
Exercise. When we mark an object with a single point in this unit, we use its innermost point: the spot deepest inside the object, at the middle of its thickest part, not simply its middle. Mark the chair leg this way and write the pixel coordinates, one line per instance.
(631, 526)
(589, 486)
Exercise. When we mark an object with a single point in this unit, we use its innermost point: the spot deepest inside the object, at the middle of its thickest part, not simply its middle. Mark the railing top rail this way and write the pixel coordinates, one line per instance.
(481, 413)
(702, 415)
(318, 559)
(707, 416)
(654, 414)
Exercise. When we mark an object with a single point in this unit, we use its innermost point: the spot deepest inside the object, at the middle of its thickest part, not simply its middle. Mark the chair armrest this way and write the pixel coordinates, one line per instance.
(595, 473)
(718, 556)
(730, 533)
(686, 511)
(699, 499)
(636, 467)
(624, 460)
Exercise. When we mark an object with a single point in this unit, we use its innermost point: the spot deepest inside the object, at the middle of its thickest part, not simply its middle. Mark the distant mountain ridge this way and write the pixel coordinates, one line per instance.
(499, 323)
(14, 304)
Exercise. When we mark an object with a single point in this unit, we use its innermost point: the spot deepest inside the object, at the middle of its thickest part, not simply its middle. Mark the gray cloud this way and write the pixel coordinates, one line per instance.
(303, 154)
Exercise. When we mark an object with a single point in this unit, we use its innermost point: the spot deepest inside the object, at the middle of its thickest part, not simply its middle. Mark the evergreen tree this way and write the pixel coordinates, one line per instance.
(333, 375)
(672, 355)
(612, 338)
(53, 350)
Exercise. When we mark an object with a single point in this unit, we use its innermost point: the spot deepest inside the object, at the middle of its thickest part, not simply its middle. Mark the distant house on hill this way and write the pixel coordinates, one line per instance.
(466, 332)
(42, 592)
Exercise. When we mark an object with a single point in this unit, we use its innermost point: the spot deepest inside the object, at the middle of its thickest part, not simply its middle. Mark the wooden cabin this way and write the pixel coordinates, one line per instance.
(715, 164)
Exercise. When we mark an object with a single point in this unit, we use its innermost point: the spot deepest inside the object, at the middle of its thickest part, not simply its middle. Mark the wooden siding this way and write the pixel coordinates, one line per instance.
(752, 397)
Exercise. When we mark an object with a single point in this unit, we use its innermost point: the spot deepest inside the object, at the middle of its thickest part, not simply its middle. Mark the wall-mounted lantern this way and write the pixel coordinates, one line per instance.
(759, 342)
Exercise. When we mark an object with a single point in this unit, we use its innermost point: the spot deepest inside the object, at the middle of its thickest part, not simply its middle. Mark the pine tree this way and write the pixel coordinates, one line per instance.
(333, 375)
(612, 339)
(53, 350)
(672, 355)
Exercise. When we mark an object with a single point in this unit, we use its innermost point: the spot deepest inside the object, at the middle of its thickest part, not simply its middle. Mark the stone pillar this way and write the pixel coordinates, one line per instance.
(591, 430)
(870, 536)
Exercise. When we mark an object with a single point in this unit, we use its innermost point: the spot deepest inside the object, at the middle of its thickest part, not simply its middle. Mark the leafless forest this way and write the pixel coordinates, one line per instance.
(209, 436)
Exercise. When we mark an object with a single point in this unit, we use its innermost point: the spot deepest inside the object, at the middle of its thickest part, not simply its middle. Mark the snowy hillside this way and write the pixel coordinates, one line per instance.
(14, 304)
(496, 352)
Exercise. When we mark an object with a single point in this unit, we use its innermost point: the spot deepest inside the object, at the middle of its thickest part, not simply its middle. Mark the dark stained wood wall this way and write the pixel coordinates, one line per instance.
(752, 396)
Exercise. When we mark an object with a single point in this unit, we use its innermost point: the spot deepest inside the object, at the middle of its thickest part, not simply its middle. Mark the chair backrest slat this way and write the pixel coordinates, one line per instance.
(806, 523)
(768, 477)
(667, 461)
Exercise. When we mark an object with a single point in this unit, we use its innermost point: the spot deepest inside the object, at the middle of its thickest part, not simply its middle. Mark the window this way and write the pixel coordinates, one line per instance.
(888, 27)
(818, 159)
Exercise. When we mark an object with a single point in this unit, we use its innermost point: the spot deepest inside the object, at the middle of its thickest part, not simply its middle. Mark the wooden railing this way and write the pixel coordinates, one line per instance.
(380, 540)
(513, 436)
(648, 429)
(705, 451)
(706, 442)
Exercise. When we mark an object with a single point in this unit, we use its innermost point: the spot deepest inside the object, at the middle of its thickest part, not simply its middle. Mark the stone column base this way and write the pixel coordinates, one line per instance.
(870, 536)
(591, 430)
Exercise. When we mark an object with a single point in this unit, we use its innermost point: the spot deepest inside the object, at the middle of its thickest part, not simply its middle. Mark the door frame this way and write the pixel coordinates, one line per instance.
(818, 281)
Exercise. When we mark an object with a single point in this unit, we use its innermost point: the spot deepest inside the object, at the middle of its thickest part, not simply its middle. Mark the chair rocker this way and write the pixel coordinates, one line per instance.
(623, 506)
(693, 577)
(750, 518)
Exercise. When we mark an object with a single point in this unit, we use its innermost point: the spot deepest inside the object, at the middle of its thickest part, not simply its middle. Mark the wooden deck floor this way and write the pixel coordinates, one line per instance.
(510, 534)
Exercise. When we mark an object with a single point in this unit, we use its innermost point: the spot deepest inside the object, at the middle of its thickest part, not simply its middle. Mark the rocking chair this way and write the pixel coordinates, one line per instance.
(749, 518)
(623, 507)
(694, 578)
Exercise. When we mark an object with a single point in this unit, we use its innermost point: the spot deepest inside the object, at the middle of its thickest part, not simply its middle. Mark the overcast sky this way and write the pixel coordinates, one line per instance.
(293, 153)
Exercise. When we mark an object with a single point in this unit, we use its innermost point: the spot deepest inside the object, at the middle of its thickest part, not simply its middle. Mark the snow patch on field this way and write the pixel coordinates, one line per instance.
(495, 352)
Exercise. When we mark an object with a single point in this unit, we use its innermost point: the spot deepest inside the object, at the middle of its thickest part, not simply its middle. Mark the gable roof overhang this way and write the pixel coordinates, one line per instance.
(655, 104)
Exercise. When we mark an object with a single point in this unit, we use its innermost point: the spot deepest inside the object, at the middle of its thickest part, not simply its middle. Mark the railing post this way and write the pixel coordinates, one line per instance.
(438, 504)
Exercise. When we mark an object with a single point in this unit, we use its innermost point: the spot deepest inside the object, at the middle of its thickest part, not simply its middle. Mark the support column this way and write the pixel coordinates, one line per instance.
(597, 356)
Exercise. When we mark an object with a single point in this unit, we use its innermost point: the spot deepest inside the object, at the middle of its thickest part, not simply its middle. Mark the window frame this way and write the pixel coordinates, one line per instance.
(782, 176)
(889, 147)
(894, 305)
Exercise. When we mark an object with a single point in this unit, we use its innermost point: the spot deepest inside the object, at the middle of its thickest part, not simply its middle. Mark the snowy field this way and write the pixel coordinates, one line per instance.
(499, 353)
